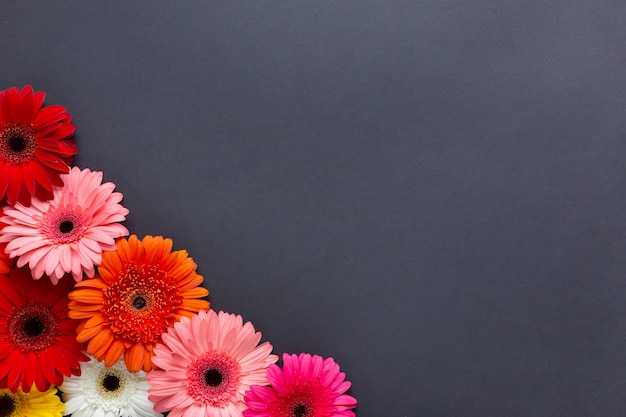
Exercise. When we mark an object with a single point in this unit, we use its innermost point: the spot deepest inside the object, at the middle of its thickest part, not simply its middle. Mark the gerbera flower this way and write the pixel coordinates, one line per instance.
(206, 364)
(68, 233)
(307, 386)
(35, 145)
(37, 339)
(30, 404)
(142, 289)
(102, 391)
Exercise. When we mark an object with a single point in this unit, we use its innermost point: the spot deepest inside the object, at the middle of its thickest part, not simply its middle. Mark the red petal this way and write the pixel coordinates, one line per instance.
(15, 183)
(17, 363)
(49, 115)
(51, 161)
(38, 101)
(5, 172)
(31, 371)
(28, 89)
(24, 197)
(5, 104)
(43, 194)
(29, 179)
(41, 175)
(15, 104)
(27, 108)
(57, 131)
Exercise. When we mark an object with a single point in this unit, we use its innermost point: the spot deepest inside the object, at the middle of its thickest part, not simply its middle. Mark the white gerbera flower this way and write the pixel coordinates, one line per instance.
(107, 392)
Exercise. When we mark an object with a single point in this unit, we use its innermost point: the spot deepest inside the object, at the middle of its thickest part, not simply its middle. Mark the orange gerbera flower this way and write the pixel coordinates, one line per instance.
(141, 289)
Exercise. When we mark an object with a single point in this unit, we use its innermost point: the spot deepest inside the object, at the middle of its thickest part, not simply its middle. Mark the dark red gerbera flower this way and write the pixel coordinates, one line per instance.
(37, 338)
(35, 145)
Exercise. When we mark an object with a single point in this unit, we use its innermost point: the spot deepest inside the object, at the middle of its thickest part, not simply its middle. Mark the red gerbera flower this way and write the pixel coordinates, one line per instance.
(35, 145)
(37, 339)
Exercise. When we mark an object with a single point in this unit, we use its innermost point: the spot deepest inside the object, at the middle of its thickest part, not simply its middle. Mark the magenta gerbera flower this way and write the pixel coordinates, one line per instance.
(68, 233)
(207, 363)
(307, 386)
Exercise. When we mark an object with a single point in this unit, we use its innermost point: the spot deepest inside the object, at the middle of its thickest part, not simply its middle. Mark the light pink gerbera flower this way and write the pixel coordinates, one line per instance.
(68, 233)
(307, 386)
(207, 363)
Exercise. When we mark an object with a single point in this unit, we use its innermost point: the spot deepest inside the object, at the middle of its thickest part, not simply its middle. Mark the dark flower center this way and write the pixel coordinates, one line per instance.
(33, 326)
(16, 143)
(139, 302)
(213, 377)
(299, 410)
(7, 405)
(66, 226)
(111, 383)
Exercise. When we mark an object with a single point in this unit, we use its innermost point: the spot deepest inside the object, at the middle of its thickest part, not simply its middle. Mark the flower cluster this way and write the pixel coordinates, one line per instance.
(95, 321)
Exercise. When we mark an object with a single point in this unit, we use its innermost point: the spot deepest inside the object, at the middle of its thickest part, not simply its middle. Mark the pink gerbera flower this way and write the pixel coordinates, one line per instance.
(68, 233)
(307, 386)
(207, 363)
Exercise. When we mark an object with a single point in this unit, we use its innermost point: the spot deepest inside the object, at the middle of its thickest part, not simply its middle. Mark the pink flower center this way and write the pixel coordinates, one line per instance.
(213, 379)
(32, 327)
(17, 144)
(63, 225)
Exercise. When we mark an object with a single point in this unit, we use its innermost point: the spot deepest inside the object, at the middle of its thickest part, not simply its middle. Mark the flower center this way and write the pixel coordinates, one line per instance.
(32, 327)
(17, 144)
(7, 405)
(306, 400)
(66, 226)
(111, 383)
(141, 303)
(213, 377)
(299, 410)
(63, 225)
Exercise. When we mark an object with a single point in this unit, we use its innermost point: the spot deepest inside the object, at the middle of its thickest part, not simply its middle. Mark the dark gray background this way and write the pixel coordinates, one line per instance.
(432, 192)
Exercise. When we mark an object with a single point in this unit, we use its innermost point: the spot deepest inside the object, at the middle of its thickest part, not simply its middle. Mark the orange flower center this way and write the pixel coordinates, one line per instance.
(141, 303)
(17, 144)
(33, 327)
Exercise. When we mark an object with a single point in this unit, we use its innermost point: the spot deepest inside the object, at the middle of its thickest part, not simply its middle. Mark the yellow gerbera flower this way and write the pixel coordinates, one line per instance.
(31, 404)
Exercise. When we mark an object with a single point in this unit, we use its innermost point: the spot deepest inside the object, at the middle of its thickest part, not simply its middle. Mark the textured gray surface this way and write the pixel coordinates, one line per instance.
(430, 191)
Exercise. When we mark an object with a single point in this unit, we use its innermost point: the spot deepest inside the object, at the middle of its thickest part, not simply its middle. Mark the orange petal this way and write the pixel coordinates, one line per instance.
(84, 334)
(115, 352)
(134, 357)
